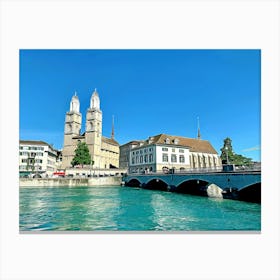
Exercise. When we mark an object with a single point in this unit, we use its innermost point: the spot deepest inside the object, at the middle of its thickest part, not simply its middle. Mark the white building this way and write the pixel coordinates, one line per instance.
(36, 157)
(163, 152)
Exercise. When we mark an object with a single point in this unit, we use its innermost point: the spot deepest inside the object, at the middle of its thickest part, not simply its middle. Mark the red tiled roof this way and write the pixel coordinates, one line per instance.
(195, 145)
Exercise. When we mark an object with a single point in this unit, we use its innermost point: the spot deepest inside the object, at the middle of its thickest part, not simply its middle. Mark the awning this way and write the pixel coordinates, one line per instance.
(59, 173)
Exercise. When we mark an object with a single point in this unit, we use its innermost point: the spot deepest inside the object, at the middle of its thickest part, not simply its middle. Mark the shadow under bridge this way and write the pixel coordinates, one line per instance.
(235, 185)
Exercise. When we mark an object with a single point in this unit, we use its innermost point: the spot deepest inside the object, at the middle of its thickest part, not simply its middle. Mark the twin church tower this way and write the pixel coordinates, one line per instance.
(104, 151)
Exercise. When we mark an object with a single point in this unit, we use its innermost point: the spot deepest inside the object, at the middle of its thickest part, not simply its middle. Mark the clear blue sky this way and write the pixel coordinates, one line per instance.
(148, 91)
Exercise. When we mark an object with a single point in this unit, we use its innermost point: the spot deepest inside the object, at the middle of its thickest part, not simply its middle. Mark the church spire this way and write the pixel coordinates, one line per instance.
(95, 101)
(113, 130)
(198, 129)
(75, 103)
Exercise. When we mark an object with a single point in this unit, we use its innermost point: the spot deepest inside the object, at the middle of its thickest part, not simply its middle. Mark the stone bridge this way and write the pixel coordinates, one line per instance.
(234, 185)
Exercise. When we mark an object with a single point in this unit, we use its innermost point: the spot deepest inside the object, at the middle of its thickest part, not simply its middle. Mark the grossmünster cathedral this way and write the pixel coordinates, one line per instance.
(104, 151)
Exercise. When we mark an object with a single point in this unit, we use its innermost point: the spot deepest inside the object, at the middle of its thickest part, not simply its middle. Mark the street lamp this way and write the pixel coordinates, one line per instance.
(226, 148)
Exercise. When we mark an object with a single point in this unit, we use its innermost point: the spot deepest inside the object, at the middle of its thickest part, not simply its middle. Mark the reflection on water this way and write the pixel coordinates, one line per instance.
(123, 209)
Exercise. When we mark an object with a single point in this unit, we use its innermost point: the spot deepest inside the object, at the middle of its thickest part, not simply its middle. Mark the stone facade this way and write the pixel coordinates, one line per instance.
(104, 151)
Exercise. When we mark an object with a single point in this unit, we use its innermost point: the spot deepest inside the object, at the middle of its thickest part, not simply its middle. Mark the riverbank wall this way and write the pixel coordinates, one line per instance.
(71, 182)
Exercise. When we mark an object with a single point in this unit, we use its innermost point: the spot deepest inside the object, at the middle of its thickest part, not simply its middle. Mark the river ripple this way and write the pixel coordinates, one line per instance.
(114, 208)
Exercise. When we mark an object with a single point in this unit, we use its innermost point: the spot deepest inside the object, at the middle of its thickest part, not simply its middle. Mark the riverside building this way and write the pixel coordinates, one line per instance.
(104, 151)
(36, 157)
(163, 152)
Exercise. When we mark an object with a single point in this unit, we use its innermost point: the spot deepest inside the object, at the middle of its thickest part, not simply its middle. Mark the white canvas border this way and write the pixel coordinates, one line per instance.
(124, 24)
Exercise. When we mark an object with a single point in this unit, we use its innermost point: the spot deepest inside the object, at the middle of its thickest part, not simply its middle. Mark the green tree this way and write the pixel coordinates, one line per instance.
(228, 155)
(82, 155)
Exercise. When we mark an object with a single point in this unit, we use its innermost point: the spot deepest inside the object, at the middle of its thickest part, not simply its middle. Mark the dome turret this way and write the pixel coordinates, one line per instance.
(95, 101)
(75, 104)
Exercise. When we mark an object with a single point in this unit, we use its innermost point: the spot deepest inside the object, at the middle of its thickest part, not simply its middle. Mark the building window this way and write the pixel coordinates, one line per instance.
(137, 159)
(146, 158)
(133, 160)
(182, 158)
(167, 141)
(150, 149)
(173, 150)
(165, 149)
(151, 158)
(181, 151)
(141, 159)
(164, 157)
(173, 158)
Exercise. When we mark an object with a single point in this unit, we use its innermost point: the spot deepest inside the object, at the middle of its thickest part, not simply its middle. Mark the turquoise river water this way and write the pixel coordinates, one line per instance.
(116, 208)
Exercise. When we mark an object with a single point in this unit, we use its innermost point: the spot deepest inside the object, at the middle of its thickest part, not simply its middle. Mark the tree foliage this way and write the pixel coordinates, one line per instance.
(82, 155)
(228, 155)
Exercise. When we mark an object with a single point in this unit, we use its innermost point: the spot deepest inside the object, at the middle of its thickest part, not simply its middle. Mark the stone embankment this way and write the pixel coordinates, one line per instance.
(71, 182)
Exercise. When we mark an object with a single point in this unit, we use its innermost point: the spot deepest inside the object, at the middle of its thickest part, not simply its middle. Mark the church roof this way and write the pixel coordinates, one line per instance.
(195, 145)
(110, 141)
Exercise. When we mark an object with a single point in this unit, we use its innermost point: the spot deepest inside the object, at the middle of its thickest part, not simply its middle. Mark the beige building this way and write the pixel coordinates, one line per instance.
(104, 151)
(164, 152)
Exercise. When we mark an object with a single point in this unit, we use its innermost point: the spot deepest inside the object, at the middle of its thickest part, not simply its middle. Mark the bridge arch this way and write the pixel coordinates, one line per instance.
(193, 186)
(250, 193)
(156, 184)
(133, 183)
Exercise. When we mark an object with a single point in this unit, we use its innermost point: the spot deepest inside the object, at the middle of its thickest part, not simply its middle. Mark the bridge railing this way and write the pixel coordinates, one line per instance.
(195, 170)
(178, 171)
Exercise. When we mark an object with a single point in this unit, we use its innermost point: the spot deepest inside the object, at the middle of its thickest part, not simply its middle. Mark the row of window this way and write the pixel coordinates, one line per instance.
(31, 161)
(26, 167)
(203, 159)
(38, 154)
(142, 151)
(173, 158)
(142, 159)
(35, 148)
(174, 141)
(173, 150)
